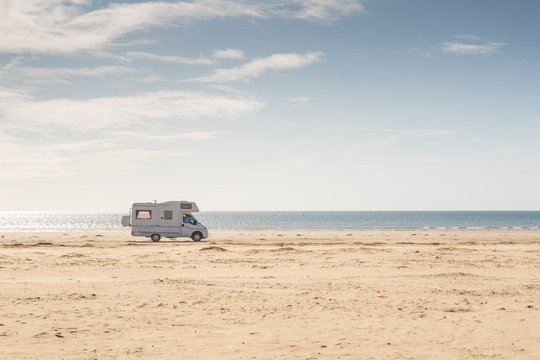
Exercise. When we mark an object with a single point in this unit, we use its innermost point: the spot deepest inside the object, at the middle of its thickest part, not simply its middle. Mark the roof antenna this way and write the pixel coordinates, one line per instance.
(155, 201)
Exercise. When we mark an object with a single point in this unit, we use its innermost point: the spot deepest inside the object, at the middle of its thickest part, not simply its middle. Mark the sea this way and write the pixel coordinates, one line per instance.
(11, 221)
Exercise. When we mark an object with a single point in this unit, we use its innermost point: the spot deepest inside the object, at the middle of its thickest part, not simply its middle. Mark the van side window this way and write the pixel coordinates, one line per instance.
(167, 214)
(185, 206)
(143, 214)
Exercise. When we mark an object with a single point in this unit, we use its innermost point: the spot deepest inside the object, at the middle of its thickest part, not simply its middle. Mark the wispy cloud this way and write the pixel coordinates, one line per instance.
(118, 159)
(398, 133)
(20, 159)
(96, 133)
(171, 59)
(229, 54)
(468, 37)
(327, 9)
(299, 100)
(257, 67)
(385, 137)
(149, 137)
(16, 72)
(18, 109)
(58, 26)
(201, 60)
(473, 46)
(67, 26)
(418, 133)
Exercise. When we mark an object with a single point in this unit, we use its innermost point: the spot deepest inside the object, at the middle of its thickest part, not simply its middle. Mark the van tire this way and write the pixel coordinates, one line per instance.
(155, 237)
(196, 236)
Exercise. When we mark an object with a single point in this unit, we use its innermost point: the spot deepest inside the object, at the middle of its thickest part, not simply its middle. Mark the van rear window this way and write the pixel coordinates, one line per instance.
(143, 214)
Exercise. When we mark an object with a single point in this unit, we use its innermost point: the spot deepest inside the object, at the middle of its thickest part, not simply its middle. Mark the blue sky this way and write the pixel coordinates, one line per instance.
(274, 105)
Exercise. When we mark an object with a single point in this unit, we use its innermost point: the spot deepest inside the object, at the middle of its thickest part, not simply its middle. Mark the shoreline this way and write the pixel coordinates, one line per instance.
(424, 229)
(289, 221)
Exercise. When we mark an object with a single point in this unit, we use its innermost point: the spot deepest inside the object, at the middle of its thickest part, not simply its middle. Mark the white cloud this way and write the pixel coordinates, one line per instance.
(67, 137)
(471, 49)
(149, 137)
(257, 67)
(195, 135)
(150, 79)
(64, 137)
(218, 54)
(201, 60)
(229, 54)
(19, 109)
(327, 9)
(371, 139)
(427, 132)
(119, 159)
(20, 159)
(24, 159)
(468, 37)
(8, 95)
(66, 26)
(299, 100)
(14, 71)
(171, 59)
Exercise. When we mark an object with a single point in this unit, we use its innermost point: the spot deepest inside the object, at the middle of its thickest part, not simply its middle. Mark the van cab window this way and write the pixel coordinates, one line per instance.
(188, 219)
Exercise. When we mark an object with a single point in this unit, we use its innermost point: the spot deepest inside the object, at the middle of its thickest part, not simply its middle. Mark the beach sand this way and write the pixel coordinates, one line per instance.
(271, 294)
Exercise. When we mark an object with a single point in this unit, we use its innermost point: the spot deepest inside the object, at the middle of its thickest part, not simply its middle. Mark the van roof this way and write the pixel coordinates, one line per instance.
(181, 204)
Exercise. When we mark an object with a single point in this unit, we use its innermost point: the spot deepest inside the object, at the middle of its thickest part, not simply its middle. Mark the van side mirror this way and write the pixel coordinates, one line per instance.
(195, 222)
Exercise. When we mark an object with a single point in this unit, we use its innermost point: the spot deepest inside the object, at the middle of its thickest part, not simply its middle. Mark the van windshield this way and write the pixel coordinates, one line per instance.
(189, 219)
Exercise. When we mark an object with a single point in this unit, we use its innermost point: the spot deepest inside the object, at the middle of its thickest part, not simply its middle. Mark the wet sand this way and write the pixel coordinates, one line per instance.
(271, 294)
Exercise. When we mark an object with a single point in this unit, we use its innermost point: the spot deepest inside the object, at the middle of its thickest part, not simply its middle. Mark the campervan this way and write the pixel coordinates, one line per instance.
(170, 219)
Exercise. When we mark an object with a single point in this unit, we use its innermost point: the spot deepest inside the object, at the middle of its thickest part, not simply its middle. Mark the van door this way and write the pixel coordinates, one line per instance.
(167, 220)
(142, 221)
(188, 225)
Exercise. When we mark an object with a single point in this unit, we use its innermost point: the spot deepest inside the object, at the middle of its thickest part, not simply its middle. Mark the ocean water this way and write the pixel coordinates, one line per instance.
(288, 220)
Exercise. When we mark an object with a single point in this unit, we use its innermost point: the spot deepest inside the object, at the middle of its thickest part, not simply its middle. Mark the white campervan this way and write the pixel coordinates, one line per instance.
(170, 219)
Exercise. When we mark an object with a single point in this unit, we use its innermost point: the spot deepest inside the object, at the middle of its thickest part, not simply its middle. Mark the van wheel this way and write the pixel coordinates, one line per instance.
(196, 236)
(155, 237)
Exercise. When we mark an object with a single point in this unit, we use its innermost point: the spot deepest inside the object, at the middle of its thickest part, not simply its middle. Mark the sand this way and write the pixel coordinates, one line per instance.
(271, 294)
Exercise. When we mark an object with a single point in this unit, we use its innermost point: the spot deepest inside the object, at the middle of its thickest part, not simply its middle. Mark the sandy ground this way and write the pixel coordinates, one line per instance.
(266, 295)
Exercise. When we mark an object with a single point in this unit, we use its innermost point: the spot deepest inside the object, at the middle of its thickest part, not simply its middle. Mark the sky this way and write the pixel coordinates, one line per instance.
(270, 105)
